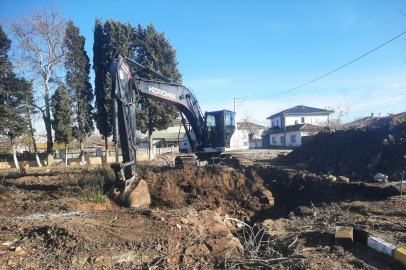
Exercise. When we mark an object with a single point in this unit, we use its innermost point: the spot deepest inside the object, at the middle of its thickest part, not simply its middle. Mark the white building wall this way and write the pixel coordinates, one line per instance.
(289, 142)
(314, 119)
(276, 121)
(255, 143)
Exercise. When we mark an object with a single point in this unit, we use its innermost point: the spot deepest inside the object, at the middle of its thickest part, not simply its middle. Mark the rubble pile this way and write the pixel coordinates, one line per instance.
(358, 153)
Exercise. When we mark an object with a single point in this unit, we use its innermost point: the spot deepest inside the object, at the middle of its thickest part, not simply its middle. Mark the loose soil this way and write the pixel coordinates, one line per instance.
(358, 153)
(58, 218)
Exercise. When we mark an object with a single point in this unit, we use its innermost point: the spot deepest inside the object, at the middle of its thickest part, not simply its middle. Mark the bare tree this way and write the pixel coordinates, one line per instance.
(335, 123)
(38, 39)
(248, 123)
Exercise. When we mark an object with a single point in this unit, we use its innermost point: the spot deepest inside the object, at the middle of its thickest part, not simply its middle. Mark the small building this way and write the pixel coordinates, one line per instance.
(296, 124)
(169, 137)
(254, 133)
(5, 145)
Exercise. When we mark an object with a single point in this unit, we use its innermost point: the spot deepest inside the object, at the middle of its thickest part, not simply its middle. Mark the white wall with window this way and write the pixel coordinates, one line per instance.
(314, 119)
(276, 121)
(293, 138)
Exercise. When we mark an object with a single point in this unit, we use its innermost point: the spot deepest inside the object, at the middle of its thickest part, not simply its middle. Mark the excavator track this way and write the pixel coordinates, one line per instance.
(223, 159)
(189, 160)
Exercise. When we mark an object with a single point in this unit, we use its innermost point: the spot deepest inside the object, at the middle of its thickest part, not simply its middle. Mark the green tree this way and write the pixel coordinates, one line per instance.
(109, 39)
(154, 51)
(12, 90)
(77, 66)
(63, 116)
(101, 61)
(5, 45)
(119, 37)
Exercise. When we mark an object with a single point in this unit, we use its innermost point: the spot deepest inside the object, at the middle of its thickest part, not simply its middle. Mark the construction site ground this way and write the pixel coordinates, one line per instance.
(267, 209)
(57, 218)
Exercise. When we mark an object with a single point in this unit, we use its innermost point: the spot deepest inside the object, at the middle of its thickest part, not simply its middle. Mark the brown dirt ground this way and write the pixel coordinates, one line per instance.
(60, 220)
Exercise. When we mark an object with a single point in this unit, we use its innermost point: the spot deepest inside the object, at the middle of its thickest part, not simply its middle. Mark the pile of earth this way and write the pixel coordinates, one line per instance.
(358, 152)
(220, 188)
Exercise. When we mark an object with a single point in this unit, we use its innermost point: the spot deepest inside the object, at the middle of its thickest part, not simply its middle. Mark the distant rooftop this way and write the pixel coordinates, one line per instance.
(301, 110)
(246, 124)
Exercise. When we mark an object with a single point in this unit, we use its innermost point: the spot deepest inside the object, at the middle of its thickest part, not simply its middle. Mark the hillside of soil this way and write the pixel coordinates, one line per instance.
(200, 218)
(358, 153)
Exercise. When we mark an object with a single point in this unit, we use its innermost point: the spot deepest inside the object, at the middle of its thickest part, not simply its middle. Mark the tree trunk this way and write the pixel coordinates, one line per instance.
(35, 147)
(32, 135)
(151, 141)
(13, 149)
(82, 152)
(48, 128)
(107, 149)
(66, 154)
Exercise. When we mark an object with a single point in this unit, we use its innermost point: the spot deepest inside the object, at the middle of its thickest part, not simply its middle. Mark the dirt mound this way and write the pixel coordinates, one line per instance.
(213, 187)
(358, 153)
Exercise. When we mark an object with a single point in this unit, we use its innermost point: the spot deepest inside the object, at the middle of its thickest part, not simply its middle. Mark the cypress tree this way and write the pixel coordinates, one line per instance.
(63, 116)
(109, 39)
(119, 38)
(77, 66)
(154, 51)
(12, 91)
(101, 61)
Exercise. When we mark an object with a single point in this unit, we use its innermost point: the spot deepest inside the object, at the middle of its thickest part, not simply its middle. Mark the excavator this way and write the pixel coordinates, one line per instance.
(210, 135)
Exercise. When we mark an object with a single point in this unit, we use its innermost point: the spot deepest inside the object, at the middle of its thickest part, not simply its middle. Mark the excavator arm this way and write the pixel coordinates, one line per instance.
(125, 92)
(212, 133)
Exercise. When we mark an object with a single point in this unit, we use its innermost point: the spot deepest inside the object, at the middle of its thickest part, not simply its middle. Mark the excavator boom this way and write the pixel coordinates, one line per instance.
(211, 132)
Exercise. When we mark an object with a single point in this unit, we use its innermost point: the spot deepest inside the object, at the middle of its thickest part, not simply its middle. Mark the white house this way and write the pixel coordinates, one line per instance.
(254, 132)
(296, 125)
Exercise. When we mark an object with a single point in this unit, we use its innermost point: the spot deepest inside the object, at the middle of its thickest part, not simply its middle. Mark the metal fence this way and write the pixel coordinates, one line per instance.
(59, 154)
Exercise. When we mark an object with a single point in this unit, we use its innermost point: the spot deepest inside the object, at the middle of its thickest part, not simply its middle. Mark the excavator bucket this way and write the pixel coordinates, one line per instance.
(134, 194)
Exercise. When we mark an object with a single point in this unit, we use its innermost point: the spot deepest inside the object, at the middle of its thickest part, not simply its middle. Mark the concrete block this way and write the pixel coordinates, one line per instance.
(381, 245)
(344, 235)
(400, 255)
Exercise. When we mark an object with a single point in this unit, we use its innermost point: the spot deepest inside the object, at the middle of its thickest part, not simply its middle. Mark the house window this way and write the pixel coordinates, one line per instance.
(292, 138)
(273, 123)
(296, 122)
(277, 122)
(302, 120)
(282, 139)
(273, 140)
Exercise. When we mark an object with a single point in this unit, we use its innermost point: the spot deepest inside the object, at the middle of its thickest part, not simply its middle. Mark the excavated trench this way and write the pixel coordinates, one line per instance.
(228, 190)
(295, 188)
(240, 191)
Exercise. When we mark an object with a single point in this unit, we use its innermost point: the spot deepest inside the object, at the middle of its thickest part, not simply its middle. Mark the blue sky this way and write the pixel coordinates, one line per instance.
(231, 49)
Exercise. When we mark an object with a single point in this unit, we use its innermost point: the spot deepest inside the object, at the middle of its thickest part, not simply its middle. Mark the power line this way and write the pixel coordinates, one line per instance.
(333, 70)
(370, 109)
(376, 99)
(252, 101)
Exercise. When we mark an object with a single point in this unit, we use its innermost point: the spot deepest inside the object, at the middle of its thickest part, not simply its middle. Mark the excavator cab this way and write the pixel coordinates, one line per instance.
(220, 126)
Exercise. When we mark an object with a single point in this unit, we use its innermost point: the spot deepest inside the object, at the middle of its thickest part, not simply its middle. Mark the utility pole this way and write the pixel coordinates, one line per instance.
(235, 101)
